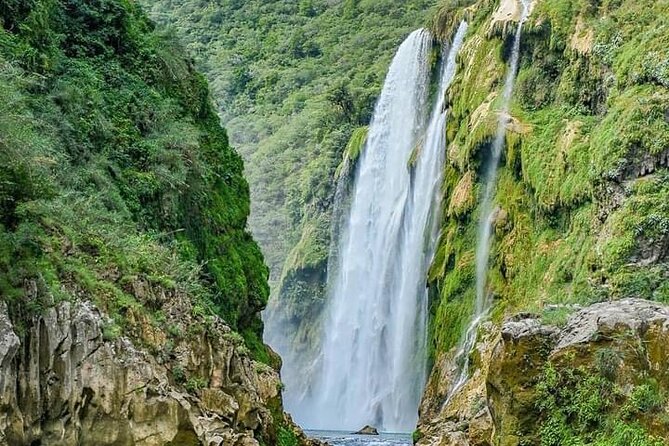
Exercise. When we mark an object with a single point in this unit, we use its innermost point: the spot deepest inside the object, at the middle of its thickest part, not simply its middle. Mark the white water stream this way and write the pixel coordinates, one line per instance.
(372, 364)
(483, 298)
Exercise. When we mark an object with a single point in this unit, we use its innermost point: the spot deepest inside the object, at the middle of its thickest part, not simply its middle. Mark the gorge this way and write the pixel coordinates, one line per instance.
(449, 218)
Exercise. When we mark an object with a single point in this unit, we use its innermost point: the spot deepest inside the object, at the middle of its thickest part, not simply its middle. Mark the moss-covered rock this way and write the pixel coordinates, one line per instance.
(581, 219)
(600, 378)
(584, 163)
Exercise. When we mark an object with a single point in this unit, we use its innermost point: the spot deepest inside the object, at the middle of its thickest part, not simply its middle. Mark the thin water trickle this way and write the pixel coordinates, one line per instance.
(487, 214)
(372, 366)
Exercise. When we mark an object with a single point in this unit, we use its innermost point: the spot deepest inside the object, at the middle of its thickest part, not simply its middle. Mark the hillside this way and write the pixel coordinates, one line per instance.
(123, 241)
(292, 80)
(581, 212)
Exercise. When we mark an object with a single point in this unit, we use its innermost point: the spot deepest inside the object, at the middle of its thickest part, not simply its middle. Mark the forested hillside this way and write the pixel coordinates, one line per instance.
(293, 80)
(123, 214)
(115, 166)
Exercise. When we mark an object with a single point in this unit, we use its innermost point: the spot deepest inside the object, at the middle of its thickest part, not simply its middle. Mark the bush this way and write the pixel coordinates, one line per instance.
(286, 437)
(644, 398)
(608, 362)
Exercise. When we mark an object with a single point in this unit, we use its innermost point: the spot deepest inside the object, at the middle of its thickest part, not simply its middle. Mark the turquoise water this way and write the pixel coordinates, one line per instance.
(346, 439)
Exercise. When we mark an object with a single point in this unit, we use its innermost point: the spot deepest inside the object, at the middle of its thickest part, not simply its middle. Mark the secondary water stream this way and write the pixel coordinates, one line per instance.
(487, 213)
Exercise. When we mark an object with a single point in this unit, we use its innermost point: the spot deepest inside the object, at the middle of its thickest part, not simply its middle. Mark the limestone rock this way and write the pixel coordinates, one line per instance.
(604, 319)
(64, 383)
(464, 419)
(506, 17)
(516, 366)
(498, 403)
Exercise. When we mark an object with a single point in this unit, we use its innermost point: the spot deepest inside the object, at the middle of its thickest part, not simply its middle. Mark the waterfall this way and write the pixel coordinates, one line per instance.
(487, 214)
(372, 364)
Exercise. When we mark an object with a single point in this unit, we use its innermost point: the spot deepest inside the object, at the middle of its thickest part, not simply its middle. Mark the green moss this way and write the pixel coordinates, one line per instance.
(356, 143)
(257, 348)
(583, 168)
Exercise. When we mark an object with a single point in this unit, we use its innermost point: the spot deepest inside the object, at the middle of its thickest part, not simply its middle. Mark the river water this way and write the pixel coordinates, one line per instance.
(346, 439)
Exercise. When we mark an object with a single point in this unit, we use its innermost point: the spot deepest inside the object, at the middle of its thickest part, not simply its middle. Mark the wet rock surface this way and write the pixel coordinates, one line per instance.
(367, 430)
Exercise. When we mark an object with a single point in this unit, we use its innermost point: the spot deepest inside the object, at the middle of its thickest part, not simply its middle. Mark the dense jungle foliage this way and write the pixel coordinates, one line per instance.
(115, 170)
(293, 80)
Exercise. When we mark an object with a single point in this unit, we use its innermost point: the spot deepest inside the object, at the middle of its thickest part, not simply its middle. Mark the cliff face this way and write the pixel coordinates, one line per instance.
(583, 179)
(581, 219)
(65, 382)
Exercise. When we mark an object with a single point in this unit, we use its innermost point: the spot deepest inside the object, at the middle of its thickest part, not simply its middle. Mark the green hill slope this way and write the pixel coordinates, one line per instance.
(115, 166)
(293, 80)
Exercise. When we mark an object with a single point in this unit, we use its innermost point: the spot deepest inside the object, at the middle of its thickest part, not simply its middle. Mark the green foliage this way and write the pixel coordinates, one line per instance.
(194, 384)
(111, 331)
(608, 361)
(556, 316)
(293, 81)
(579, 407)
(356, 143)
(645, 398)
(287, 437)
(179, 375)
(115, 169)
(628, 435)
(257, 348)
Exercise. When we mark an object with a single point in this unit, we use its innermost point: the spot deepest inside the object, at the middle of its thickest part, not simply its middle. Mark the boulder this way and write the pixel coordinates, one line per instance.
(367, 430)
(497, 405)
(634, 330)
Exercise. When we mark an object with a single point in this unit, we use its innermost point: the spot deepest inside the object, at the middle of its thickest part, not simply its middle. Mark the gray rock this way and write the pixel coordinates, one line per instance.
(68, 385)
(633, 314)
(367, 430)
(515, 329)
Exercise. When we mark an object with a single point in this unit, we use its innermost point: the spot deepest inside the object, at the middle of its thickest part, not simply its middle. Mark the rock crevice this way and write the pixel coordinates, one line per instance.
(62, 382)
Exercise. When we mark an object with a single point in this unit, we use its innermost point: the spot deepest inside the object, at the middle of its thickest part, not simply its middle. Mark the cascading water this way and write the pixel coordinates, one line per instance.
(372, 368)
(483, 300)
